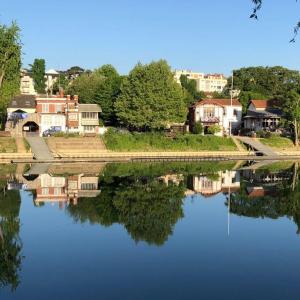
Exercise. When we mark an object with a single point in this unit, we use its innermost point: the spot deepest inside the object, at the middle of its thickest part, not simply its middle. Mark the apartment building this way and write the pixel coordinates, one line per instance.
(208, 83)
(27, 83)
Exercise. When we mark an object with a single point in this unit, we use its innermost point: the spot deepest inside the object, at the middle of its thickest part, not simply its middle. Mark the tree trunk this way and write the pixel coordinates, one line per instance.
(1, 235)
(295, 176)
(1, 78)
(296, 132)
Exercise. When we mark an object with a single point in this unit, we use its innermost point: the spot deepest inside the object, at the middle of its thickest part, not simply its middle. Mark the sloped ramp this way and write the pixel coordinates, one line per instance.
(257, 145)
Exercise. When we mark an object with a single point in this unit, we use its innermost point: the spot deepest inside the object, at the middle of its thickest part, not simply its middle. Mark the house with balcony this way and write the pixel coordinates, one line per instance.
(225, 113)
(89, 118)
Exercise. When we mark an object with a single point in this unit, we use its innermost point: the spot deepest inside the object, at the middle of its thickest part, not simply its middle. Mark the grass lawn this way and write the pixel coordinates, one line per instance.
(151, 141)
(7, 145)
(278, 142)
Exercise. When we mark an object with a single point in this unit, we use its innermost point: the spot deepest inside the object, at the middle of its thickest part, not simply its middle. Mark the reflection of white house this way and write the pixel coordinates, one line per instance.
(209, 185)
(226, 113)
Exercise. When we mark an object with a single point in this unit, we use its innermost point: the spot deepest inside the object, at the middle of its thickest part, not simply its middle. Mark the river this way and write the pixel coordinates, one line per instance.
(207, 230)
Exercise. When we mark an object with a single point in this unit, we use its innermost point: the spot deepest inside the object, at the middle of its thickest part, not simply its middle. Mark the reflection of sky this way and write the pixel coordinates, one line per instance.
(67, 260)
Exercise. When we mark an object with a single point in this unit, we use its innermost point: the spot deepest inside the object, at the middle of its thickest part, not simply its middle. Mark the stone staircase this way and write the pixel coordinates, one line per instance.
(64, 147)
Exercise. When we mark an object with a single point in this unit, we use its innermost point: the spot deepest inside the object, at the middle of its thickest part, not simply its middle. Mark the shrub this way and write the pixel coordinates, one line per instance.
(214, 129)
(198, 128)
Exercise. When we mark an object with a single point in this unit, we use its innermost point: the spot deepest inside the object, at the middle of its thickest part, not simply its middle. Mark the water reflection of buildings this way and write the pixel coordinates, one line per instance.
(66, 189)
(61, 189)
(209, 185)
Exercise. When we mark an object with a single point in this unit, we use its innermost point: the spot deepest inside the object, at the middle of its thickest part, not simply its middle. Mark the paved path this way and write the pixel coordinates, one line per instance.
(39, 147)
(259, 165)
(37, 169)
(257, 145)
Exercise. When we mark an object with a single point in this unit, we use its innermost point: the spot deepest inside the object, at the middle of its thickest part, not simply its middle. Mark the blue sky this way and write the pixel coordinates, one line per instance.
(206, 36)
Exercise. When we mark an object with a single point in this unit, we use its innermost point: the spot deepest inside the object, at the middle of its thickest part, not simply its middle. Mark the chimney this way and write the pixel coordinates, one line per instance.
(61, 92)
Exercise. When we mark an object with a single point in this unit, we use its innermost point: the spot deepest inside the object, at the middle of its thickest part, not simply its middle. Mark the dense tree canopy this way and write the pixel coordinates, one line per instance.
(85, 86)
(147, 207)
(10, 64)
(108, 91)
(150, 98)
(190, 86)
(102, 87)
(268, 81)
(38, 74)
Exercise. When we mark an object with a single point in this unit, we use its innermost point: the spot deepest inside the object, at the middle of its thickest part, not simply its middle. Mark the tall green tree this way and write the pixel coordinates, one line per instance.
(86, 86)
(190, 86)
(291, 103)
(10, 65)
(107, 92)
(38, 74)
(62, 82)
(150, 98)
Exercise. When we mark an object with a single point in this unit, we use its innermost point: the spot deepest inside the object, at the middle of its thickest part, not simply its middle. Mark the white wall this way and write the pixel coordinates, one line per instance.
(48, 120)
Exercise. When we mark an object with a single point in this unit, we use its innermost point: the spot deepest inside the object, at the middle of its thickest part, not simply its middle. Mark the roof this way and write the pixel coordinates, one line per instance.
(23, 101)
(221, 102)
(260, 103)
(89, 108)
(52, 72)
(270, 113)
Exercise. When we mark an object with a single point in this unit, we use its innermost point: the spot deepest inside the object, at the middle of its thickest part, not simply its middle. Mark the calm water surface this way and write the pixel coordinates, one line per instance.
(150, 231)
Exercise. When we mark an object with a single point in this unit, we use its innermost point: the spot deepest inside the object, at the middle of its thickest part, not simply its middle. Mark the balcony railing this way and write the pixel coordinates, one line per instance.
(209, 119)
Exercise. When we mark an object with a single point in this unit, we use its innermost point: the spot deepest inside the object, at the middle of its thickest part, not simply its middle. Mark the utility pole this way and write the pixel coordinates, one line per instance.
(231, 92)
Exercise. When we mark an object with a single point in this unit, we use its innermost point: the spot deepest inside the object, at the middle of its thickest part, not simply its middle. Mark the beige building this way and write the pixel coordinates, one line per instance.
(208, 83)
(26, 83)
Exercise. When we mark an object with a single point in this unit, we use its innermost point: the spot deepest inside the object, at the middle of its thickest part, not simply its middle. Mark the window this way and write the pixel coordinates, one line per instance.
(47, 120)
(88, 186)
(209, 112)
(45, 107)
(72, 117)
(58, 108)
(235, 112)
(45, 191)
(57, 191)
(89, 115)
(89, 128)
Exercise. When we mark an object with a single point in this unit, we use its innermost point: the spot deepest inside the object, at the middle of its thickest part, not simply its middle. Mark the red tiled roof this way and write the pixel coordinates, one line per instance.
(260, 103)
(221, 102)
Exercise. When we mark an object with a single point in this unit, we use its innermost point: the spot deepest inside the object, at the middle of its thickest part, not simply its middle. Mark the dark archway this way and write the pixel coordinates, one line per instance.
(30, 127)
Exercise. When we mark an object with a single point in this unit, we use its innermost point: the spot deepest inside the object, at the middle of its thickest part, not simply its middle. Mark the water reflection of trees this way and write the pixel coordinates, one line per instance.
(10, 243)
(147, 207)
(282, 199)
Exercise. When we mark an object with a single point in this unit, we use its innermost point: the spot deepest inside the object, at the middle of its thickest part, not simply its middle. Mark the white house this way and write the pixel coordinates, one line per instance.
(226, 113)
(224, 181)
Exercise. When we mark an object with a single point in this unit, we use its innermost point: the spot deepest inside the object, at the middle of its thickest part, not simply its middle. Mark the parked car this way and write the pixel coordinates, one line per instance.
(52, 130)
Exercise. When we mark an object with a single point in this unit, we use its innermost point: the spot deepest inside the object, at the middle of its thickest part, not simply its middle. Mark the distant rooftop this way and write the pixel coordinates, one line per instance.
(23, 101)
(89, 108)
